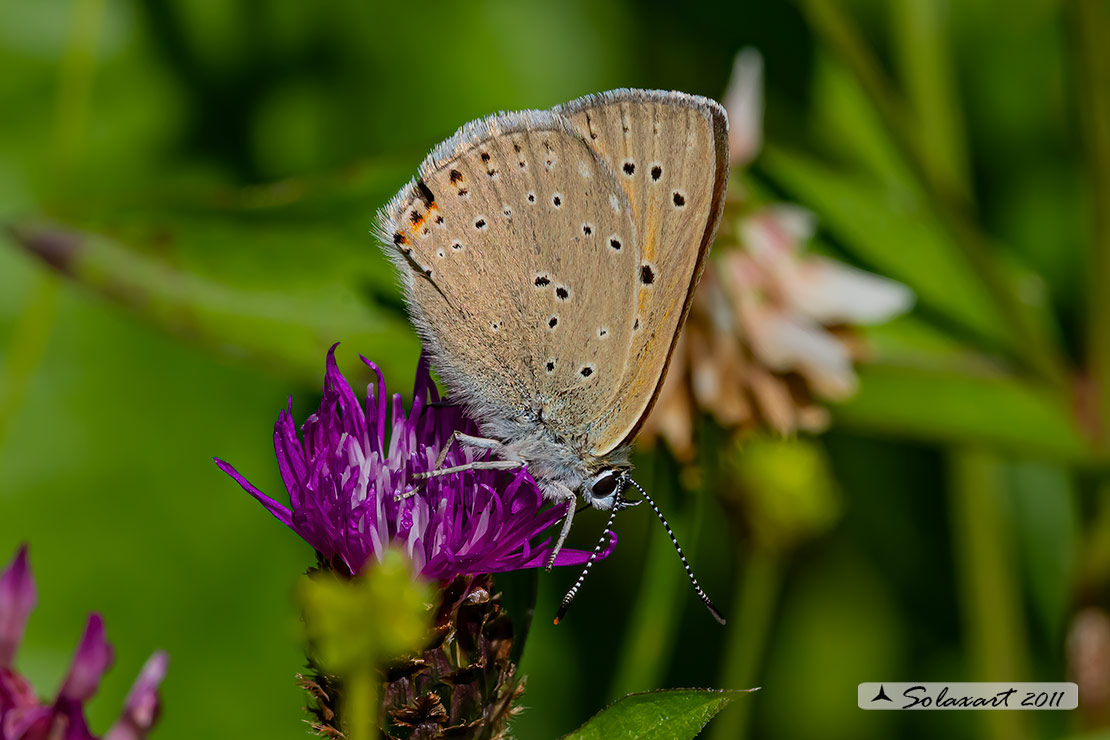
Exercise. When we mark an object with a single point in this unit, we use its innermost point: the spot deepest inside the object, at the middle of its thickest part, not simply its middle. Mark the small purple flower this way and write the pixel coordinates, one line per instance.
(140, 709)
(345, 477)
(23, 716)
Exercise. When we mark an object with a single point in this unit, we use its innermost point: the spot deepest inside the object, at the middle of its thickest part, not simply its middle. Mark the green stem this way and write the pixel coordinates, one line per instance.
(28, 344)
(838, 33)
(71, 109)
(1094, 555)
(990, 597)
(1091, 50)
(650, 639)
(33, 329)
(920, 29)
(758, 584)
(1029, 341)
(360, 720)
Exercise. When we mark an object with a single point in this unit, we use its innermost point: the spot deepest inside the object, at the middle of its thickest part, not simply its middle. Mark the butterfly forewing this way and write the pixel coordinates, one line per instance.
(517, 246)
(669, 153)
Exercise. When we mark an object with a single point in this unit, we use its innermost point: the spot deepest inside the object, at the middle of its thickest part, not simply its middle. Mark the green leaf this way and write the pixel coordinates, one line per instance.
(984, 405)
(921, 381)
(911, 341)
(276, 294)
(847, 126)
(667, 714)
(328, 196)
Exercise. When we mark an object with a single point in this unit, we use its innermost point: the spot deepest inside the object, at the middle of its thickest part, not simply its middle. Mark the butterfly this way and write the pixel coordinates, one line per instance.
(548, 260)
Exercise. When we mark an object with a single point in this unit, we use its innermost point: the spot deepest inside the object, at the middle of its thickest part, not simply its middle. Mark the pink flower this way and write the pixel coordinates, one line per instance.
(744, 102)
(786, 300)
(23, 716)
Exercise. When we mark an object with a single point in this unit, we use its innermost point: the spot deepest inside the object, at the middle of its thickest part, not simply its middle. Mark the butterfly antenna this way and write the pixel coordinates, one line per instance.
(590, 563)
(674, 541)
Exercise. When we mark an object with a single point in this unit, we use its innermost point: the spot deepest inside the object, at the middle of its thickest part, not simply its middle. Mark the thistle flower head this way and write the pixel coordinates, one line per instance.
(23, 716)
(351, 480)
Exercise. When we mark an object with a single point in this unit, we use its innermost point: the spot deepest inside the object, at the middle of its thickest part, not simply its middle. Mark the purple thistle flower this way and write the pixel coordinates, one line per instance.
(22, 715)
(345, 476)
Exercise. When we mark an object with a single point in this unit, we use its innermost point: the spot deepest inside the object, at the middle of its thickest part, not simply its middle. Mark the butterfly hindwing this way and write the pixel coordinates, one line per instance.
(670, 154)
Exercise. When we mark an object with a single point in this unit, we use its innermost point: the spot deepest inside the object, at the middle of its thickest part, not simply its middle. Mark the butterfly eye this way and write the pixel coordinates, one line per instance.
(604, 484)
(604, 489)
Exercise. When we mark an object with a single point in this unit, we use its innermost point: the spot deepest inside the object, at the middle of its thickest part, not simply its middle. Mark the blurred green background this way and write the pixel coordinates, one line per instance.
(223, 162)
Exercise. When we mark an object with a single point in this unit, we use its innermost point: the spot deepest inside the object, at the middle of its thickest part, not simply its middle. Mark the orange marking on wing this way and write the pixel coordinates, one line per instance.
(651, 223)
(664, 320)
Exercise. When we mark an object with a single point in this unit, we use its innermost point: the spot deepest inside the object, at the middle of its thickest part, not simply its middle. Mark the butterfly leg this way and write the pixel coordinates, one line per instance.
(476, 465)
(472, 441)
(481, 443)
(562, 493)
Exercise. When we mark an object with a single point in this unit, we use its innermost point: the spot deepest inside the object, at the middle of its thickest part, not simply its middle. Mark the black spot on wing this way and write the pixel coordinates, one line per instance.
(425, 193)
